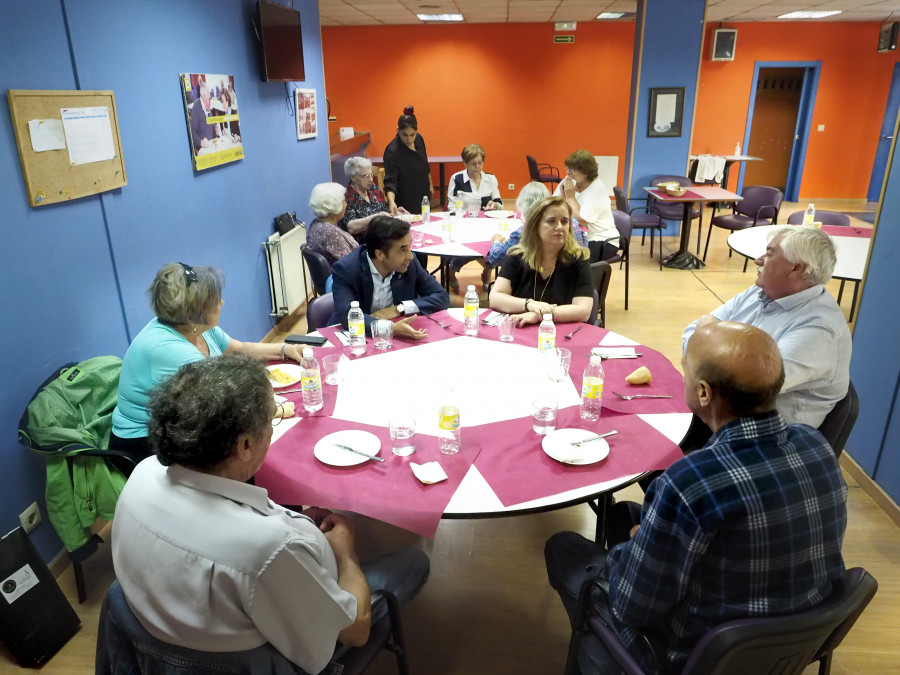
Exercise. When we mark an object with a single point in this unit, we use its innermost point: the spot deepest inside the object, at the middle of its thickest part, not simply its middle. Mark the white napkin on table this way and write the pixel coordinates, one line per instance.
(428, 473)
(568, 453)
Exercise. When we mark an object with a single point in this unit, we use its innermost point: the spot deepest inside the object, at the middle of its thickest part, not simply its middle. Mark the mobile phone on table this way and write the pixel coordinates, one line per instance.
(314, 340)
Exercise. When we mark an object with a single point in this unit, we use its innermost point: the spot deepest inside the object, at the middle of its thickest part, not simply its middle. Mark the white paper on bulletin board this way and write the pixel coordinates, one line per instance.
(46, 135)
(88, 134)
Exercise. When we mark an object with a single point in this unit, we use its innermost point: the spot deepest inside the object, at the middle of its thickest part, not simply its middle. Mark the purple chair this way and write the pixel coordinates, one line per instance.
(318, 311)
(830, 218)
(675, 211)
(601, 271)
(542, 173)
(641, 219)
(759, 207)
(623, 225)
(780, 644)
(319, 268)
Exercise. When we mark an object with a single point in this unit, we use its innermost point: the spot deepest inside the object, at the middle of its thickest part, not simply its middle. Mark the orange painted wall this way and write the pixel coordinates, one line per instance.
(509, 88)
(853, 89)
(505, 86)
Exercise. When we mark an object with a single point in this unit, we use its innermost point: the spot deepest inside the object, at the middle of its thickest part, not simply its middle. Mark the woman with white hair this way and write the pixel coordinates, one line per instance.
(365, 200)
(323, 235)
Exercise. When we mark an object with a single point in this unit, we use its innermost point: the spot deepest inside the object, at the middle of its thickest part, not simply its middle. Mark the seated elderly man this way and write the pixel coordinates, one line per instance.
(387, 280)
(751, 525)
(789, 302)
(208, 562)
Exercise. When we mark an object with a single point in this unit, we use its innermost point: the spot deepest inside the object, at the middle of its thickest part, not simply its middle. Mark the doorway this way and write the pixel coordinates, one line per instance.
(778, 124)
(885, 137)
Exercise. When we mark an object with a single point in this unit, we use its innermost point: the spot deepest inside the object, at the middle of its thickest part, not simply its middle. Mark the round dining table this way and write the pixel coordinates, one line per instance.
(502, 468)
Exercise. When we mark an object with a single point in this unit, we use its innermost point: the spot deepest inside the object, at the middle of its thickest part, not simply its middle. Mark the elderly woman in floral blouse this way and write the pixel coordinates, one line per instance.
(365, 200)
(323, 235)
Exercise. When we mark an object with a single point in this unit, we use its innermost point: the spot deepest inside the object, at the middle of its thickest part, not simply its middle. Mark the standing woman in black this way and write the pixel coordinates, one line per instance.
(407, 176)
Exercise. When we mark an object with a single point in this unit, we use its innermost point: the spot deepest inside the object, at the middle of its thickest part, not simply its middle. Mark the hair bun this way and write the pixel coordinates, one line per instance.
(409, 110)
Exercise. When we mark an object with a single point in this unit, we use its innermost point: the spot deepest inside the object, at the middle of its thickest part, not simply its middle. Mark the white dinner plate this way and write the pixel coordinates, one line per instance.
(499, 214)
(557, 445)
(292, 369)
(327, 452)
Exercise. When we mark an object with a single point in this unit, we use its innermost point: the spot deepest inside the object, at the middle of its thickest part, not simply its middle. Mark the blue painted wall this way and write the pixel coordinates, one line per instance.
(670, 53)
(63, 265)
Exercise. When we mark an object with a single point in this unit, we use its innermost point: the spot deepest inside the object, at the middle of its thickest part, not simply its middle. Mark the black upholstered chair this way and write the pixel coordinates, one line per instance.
(838, 424)
(601, 272)
(542, 173)
(642, 218)
(623, 225)
(760, 206)
(780, 644)
(319, 268)
(675, 212)
(318, 311)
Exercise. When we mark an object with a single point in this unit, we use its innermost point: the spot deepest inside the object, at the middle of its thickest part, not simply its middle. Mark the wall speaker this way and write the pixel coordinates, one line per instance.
(723, 42)
(887, 37)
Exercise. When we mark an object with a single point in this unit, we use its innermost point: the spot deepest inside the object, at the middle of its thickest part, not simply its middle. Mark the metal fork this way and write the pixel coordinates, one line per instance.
(569, 336)
(442, 325)
(628, 398)
(592, 438)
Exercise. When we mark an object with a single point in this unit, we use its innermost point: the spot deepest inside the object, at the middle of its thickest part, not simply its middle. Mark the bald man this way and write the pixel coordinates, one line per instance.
(749, 525)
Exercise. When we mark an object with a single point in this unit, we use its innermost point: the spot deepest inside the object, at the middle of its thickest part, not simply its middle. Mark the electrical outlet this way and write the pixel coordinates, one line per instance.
(512, 186)
(30, 517)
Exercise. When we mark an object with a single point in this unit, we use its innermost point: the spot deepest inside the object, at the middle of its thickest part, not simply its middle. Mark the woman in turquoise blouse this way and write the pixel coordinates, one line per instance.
(187, 302)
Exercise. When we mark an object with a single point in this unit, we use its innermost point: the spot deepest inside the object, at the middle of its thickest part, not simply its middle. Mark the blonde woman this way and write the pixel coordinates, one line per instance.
(547, 272)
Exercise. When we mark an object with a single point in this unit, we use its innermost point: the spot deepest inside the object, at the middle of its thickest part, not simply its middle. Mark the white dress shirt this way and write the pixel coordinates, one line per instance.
(489, 186)
(212, 564)
(383, 296)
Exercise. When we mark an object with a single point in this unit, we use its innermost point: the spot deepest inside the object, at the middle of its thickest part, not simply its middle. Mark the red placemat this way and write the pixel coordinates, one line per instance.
(687, 196)
(480, 247)
(516, 467)
(386, 491)
(843, 231)
(666, 380)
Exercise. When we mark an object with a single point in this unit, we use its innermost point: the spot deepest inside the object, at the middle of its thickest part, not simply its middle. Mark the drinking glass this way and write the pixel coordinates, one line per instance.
(382, 334)
(331, 364)
(505, 327)
(558, 362)
(543, 415)
(418, 238)
(403, 436)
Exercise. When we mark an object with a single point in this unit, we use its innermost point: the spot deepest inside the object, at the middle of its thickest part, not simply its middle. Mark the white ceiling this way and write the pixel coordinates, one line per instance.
(397, 12)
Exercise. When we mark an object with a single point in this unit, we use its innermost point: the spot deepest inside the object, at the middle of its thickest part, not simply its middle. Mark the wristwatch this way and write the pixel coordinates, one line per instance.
(526, 304)
(401, 309)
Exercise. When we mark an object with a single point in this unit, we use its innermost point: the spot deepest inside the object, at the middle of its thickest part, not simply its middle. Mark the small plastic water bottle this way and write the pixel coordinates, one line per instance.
(737, 150)
(448, 424)
(460, 206)
(446, 234)
(592, 390)
(357, 329)
(426, 209)
(809, 217)
(470, 303)
(547, 334)
(311, 381)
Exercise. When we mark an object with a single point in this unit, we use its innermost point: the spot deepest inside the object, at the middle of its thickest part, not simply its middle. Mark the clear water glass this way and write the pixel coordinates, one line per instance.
(543, 415)
(403, 436)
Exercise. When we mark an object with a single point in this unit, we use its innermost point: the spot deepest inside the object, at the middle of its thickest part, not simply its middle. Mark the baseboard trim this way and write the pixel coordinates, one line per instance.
(285, 323)
(873, 489)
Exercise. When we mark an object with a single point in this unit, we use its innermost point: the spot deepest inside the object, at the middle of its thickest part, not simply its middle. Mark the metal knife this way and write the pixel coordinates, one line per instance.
(349, 449)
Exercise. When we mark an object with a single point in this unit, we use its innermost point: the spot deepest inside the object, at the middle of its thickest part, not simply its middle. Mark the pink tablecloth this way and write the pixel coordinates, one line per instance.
(387, 491)
(435, 333)
(689, 195)
(329, 392)
(516, 467)
(842, 231)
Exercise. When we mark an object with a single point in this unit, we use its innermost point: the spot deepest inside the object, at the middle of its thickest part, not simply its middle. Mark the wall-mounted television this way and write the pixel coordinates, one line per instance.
(282, 43)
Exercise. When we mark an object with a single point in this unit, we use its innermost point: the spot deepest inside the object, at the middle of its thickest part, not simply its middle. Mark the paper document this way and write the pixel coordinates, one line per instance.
(46, 135)
(88, 134)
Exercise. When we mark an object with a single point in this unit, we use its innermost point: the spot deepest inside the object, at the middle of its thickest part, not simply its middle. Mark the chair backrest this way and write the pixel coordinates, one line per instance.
(623, 225)
(784, 644)
(601, 272)
(621, 199)
(838, 423)
(533, 171)
(319, 269)
(670, 211)
(318, 311)
(683, 181)
(761, 200)
(824, 217)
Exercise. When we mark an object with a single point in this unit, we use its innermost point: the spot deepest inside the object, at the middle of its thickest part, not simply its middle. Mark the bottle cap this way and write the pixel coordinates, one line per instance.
(307, 352)
(596, 360)
(548, 317)
(470, 287)
(354, 303)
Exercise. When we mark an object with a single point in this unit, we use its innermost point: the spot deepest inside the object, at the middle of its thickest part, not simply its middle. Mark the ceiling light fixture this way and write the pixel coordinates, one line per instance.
(440, 17)
(610, 15)
(809, 15)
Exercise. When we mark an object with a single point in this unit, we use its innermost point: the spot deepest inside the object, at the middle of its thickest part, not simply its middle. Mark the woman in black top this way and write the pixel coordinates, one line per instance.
(547, 272)
(407, 176)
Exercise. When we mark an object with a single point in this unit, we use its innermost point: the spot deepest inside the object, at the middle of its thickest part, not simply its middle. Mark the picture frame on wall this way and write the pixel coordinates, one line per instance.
(305, 107)
(666, 112)
(211, 112)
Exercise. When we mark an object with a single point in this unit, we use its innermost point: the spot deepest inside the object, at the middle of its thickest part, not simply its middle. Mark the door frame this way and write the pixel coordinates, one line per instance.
(812, 70)
(883, 150)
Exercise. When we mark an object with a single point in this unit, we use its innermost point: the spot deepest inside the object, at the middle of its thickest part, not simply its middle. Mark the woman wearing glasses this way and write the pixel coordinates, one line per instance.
(187, 302)
(365, 200)
(588, 199)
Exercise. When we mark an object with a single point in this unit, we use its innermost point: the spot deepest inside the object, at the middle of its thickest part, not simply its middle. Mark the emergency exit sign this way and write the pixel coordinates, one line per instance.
(563, 39)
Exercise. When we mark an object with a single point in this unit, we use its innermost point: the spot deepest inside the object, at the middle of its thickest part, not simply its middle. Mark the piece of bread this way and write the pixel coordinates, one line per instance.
(284, 410)
(640, 376)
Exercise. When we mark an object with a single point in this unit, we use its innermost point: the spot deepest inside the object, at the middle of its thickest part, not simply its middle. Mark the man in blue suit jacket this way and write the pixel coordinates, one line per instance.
(386, 279)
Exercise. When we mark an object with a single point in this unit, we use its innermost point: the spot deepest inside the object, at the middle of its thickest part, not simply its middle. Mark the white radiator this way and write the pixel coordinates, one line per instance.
(608, 166)
(289, 280)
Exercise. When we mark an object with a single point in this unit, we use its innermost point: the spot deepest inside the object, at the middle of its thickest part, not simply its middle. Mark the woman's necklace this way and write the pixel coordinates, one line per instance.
(546, 283)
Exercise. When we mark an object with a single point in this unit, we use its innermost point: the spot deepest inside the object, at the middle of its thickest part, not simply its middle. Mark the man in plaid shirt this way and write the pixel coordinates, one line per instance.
(750, 525)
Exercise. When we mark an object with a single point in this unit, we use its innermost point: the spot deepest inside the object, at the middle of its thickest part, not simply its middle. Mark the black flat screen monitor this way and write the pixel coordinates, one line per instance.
(282, 43)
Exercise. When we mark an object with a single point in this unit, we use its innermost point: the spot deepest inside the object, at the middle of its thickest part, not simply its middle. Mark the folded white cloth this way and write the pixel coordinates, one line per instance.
(709, 168)
(429, 473)
(569, 454)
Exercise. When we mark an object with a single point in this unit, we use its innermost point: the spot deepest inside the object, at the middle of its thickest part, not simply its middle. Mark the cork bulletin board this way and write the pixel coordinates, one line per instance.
(81, 160)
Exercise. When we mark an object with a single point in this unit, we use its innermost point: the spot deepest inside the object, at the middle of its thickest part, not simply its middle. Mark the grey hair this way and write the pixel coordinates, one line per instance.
(176, 301)
(530, 195)
(804, 244)
(356, 165)
(327, 199)
(198, 414)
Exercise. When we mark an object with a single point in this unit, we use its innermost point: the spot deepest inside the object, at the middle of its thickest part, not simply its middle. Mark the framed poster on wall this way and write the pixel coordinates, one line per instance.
(305, 105)
(666, 112)
(214, 128)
